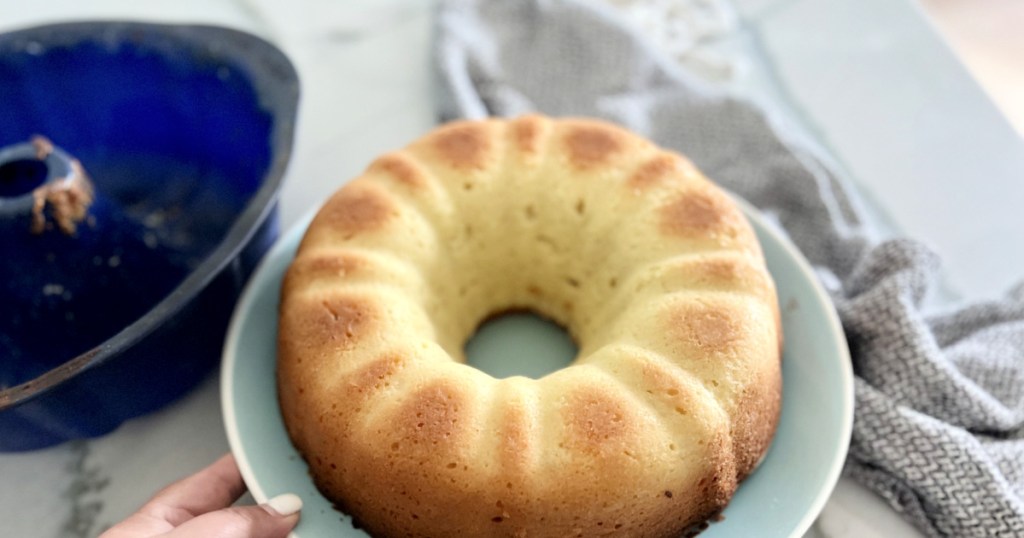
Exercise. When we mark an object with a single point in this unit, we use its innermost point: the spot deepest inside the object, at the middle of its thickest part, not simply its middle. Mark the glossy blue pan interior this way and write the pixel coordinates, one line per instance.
(185, 132)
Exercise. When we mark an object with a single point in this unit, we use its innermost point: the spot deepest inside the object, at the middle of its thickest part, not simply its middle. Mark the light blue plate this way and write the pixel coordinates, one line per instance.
(781, 499)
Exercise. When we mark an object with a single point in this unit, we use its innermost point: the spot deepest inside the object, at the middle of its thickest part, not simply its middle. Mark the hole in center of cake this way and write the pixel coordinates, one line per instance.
(520, 343)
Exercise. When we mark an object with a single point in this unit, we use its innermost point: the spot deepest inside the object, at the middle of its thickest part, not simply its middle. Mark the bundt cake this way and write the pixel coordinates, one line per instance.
(654, 271)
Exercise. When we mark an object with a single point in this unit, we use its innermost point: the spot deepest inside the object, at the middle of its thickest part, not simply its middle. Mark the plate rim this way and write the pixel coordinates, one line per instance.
(229, 354)
(843, 353)
(845, 366)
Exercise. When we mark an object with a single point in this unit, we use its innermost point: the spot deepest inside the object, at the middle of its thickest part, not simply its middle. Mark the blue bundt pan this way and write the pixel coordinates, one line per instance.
(186, 132)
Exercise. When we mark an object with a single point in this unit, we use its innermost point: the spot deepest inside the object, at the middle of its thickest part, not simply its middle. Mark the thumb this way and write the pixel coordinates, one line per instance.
(271, 520)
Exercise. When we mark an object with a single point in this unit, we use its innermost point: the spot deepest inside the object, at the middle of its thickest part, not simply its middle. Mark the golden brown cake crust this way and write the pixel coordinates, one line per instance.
(674, 396)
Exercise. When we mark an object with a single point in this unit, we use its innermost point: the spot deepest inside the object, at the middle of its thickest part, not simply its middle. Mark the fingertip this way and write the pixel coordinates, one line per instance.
(225, 459)
(284, 505)
(237, 522)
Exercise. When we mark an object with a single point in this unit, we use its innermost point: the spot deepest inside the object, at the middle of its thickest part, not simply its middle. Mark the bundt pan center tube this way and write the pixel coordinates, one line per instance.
(672, 400)
(127, 239)
(35, 175)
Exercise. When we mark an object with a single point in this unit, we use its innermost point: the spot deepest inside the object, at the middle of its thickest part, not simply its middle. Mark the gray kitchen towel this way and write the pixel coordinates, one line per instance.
(939, 425)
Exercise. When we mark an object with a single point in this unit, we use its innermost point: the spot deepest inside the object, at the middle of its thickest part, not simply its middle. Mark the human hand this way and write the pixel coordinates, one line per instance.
(200, 507)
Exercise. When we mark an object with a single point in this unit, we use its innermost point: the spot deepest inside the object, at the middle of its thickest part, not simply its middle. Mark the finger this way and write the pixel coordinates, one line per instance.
(262, 521)
(138, 525)
(212, 488)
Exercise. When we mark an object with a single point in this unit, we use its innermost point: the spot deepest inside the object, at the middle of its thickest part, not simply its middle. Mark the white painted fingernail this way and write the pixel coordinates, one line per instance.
(285, 504)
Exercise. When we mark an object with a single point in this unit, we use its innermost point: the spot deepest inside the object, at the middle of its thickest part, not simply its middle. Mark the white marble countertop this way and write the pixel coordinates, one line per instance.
(932, 155)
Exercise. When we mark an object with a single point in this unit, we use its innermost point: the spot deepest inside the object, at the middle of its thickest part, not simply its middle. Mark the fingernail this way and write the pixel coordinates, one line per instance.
(285, 504)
